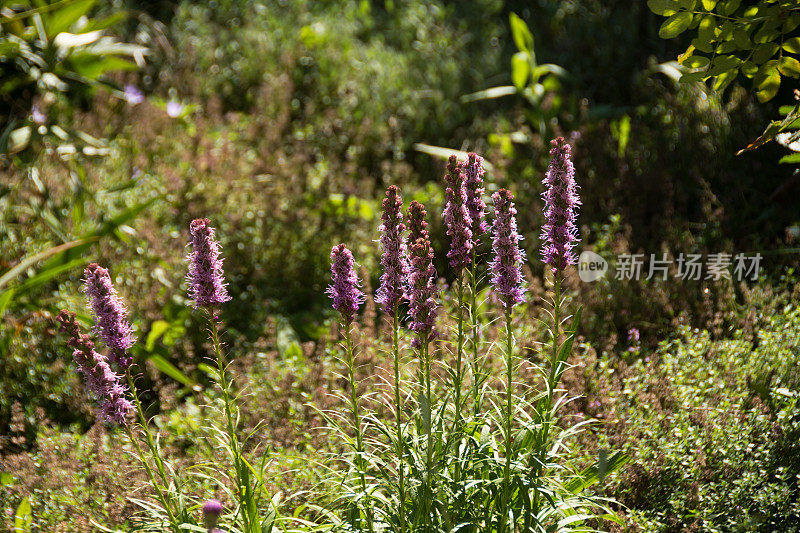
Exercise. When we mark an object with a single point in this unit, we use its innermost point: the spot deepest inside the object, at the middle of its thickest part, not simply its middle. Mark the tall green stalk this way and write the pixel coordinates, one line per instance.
(477, 372)
(245, 492)
(506, 494)
(350, 361)
(425, 362)
(545, 410)
(399, 420)
(163, 497)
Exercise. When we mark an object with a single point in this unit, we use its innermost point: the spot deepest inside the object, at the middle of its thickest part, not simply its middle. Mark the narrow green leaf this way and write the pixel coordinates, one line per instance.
(5, 300)
(790, 159)
(23, 265)
(170, 370)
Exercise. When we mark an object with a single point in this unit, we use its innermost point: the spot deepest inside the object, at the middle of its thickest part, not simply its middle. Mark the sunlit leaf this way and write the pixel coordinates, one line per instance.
(675, 25)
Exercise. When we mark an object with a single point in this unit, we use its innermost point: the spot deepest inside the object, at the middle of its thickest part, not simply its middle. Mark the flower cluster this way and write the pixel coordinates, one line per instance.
(207, 285)
(474, 171)
(101, 381)
(457, 217)
(422, 289)
(211, 509)
(110, 314)
(393, 260)
(508, 257)
(559, 233)
(344, 289)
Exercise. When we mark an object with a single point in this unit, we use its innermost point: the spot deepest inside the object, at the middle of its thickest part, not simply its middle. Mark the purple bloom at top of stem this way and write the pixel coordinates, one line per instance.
(422, 289)
(133, 95)
(206, 278)
(101, 381)
(344, 288)
(393, 260)
(212, 509)
(506, 266)
(456, 217)
(474, 171)
(110, 314)
(559, 233)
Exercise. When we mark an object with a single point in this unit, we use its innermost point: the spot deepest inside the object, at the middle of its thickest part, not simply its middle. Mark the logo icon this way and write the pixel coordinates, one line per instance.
(591, 266)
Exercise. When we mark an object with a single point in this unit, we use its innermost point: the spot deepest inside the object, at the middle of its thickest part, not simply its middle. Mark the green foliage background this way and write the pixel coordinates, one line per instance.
(297, 115)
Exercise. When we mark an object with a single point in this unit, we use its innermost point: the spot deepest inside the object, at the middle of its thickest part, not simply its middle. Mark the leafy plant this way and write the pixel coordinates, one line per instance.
(52, 54)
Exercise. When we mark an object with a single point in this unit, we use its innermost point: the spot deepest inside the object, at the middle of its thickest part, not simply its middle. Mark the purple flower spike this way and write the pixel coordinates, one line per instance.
(101, 381)
(561, 201)
(507, 263)
(422, 289)
(212, 509)
(344, 289)
(110, 314)
(456, 217)
(393, 260)
(474, 171)
(207, 285)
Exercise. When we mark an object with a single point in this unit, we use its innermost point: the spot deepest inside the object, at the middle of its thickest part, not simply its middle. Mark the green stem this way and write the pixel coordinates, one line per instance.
(508, 420)
(428, 492)
(399, 419)
(243, 490)
(356, 418)
(552, 379)
(163, 498)
(477, 373)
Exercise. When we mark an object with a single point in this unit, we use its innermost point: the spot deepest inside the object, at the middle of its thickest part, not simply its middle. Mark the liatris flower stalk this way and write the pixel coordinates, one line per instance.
(390, 292)
(110, 314)
(102, 382)
(207, 285)
(508, 256)
(347, 298)
(474, 171)
(559, 233)
(422, 310)
(393, 260)
(456, 217)
(211, 509)
(344, 289)
(507, 282)
(459, 228)
(208, 289)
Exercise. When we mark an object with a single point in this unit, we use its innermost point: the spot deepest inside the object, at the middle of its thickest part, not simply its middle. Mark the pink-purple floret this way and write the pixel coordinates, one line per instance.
(559, 233)
(101, 381)
(344, 288)
(474, 171)
(110, 314)
(393, 259)
(422, 290)
(457, 217)
(206, 278)
(506, 265)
